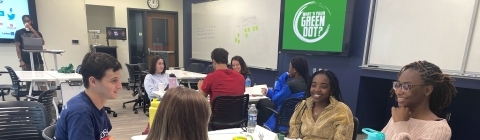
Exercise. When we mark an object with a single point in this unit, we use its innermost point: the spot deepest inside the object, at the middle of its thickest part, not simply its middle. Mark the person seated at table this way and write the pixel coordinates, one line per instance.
(296, 86)
(239, 65)
(322, 114)
(157, 74)
(84, 117)
(422, 91)
(222, 81)
(183, 115)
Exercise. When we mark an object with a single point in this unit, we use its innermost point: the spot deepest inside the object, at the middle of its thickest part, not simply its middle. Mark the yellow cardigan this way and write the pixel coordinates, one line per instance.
(335, 122)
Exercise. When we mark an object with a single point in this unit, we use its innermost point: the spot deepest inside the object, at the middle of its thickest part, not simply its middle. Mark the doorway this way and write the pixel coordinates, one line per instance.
(162, 37)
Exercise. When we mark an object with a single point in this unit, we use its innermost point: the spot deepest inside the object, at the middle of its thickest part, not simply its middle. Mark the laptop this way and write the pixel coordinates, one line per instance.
(32, 44)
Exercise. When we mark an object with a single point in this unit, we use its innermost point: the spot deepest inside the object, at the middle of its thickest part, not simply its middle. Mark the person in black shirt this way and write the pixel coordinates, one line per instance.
(24, 57)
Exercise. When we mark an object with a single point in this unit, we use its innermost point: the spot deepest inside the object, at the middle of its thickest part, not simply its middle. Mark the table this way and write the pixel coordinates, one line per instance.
(46, 76)
(187, 75)
(63, 77)
(225, 134)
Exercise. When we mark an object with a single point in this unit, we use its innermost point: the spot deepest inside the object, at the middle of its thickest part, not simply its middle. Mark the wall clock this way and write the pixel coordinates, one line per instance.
(153, 4)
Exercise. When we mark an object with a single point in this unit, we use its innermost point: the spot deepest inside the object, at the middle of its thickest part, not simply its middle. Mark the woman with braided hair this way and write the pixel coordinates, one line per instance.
(422, 92)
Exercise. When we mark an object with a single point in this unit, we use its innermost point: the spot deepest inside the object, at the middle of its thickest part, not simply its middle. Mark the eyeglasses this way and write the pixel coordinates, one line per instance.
(405, 86)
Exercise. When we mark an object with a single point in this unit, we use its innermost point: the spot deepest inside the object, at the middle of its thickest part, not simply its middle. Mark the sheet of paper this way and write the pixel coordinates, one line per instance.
(255, 90)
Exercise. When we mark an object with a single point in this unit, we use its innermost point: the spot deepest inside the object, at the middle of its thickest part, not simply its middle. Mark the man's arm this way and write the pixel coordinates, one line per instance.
(19, 51)
(200, 86)
(18, 39)
(38, 35)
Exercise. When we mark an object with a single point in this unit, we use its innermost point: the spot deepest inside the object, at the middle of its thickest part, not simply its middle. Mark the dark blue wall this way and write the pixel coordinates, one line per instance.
(366, 92)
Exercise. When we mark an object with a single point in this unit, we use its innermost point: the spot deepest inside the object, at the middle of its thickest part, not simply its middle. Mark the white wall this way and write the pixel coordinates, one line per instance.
(98, 18)
(60, 22)
(120, 10)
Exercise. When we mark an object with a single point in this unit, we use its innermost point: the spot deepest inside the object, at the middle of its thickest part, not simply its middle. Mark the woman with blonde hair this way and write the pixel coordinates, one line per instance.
(183, 114)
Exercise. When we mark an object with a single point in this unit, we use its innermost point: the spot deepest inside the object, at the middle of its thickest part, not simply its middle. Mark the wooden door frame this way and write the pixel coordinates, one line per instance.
(144, 30)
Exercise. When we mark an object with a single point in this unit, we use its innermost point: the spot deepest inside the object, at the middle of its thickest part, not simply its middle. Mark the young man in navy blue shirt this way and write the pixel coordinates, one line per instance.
(83, 116)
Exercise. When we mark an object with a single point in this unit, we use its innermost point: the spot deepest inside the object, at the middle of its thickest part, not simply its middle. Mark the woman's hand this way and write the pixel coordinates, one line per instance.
(400, 114)
(264, 91)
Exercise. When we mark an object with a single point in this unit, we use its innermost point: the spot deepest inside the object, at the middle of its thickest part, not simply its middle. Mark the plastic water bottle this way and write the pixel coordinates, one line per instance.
(252, 119)
(248, 82)
(152, 111)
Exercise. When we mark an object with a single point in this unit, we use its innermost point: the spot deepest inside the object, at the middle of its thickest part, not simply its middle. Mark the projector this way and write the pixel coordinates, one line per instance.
(94, 31)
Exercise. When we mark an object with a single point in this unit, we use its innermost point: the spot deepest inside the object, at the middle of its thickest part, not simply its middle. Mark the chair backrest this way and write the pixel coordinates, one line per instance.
(286, 111)
(355, 128)
(229, 111)
(22, 120)
(196, 67)
(210, 69)
(49, 132)
(46, 98)
(78, 69)
(143, 66)
(14, 78)
(131, 73)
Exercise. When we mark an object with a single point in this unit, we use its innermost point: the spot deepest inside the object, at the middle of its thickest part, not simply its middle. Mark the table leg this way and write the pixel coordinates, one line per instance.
(31, 89)
(55, 61)
(189, 86)
(32, 66)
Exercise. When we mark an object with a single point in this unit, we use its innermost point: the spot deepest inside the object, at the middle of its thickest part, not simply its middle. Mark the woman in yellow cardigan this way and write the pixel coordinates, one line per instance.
(322, 115)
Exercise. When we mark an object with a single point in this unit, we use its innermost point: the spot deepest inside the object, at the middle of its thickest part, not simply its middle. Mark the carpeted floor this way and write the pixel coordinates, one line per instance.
(128, 124)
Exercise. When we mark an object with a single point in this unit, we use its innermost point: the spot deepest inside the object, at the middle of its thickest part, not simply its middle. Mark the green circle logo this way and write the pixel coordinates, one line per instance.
(310, 23)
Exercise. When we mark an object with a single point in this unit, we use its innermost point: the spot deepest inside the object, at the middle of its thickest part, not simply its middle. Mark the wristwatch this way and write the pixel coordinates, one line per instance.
(19, 60)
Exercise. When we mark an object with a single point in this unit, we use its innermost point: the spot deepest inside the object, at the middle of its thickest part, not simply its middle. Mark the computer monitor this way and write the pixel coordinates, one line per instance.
(32, 43)
(116, 33)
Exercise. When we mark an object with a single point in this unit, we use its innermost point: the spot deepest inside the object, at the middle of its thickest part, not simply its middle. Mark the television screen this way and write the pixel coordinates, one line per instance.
(320, 27)
(116, 33)
(11, 12)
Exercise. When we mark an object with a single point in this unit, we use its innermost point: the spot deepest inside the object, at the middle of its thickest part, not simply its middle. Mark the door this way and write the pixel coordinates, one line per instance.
(162, 37)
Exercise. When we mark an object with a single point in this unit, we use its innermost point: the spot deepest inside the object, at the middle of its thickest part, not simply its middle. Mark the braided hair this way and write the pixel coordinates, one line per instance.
(300, 64)
(443, 88)
(334, 86)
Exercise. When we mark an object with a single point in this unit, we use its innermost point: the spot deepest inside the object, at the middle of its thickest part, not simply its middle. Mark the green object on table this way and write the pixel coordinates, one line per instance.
(280, 136)
(68, 69)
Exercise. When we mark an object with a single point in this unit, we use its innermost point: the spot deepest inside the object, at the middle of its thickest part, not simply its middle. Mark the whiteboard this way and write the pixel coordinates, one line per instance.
(249, 28)
(473, 61)
(404, 31)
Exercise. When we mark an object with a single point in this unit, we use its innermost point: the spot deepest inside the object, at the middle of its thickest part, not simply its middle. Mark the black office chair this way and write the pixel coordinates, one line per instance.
(18, 90)
(4, 87)
(46, 99)
(210, 69)
(229, 112)
(135, 84)
(355, 128)
(143, 67)
(78, 69)
(49, 132)
(196, 67)
(283, 116)
(22, 120)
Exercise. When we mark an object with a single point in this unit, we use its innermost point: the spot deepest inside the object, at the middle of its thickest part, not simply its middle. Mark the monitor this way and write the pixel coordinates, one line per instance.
(11, 12)
(116, 33)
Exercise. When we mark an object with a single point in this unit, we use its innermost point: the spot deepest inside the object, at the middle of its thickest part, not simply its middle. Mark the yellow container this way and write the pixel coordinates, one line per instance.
(152, 110)
(239, 138)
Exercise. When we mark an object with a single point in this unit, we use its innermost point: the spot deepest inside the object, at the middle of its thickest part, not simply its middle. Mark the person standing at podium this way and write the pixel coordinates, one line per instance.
(24, 57)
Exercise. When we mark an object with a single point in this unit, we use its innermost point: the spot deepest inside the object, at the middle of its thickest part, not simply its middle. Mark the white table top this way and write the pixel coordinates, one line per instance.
(225, 134)
(40, 76)
(251, 98)
(65, 76)
(185, 75)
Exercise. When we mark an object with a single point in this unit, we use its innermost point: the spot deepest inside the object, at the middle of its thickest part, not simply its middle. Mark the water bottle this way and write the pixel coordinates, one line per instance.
(248, 82)
(252, 119)
(373, 134)
(152, 111)
(172, 81)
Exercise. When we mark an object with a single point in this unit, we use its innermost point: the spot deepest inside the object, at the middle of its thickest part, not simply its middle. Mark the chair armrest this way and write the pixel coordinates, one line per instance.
(32, 98)
(273, 110)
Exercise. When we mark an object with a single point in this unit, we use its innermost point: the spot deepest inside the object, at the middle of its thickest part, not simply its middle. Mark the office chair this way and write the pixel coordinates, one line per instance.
(229, 112)
(135, 83)
(284, 114)
(22, 120)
